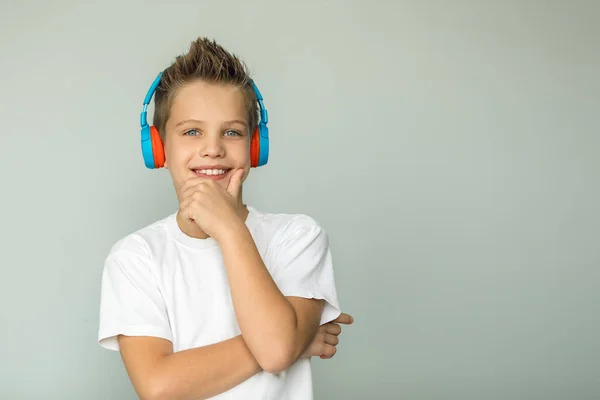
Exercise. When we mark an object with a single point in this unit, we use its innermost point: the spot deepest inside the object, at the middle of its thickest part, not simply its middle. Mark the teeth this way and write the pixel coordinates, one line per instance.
(212, 171)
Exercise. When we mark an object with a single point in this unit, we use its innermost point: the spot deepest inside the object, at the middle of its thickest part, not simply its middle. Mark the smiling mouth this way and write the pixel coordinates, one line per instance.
(213, 173)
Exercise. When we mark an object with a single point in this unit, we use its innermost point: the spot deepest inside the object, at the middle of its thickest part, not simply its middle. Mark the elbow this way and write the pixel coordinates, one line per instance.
(277, 358)
(154, 389)
(152, 393)
(276, 365)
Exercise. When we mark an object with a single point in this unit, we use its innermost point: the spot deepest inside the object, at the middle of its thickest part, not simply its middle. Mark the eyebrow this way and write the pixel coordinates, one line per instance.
(233, 121)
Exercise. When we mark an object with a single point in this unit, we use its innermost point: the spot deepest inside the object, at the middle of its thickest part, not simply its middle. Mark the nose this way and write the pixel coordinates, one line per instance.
(212, 147)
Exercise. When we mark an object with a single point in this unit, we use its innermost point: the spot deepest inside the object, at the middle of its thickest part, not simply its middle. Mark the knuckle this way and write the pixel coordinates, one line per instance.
(330, 351)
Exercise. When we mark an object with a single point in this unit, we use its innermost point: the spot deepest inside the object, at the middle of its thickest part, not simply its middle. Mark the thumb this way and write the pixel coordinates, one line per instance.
(235, 183)
(344, 319)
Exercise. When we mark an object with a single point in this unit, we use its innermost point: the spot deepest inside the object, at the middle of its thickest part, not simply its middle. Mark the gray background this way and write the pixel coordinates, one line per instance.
(450, 149)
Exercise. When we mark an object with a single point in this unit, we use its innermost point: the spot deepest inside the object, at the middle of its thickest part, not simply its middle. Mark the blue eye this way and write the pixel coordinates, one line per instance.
(235, 133)
(191, 132)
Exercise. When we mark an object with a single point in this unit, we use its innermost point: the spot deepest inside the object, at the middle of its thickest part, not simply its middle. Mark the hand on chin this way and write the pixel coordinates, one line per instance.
(213, 204)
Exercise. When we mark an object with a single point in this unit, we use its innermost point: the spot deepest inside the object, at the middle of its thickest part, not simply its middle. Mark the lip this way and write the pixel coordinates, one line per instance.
(212, 177)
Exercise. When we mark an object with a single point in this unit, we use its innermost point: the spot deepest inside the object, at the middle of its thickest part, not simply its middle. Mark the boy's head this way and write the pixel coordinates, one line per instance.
(206, 112)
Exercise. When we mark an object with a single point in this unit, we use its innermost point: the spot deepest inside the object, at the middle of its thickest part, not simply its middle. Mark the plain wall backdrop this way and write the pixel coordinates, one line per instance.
(450, 149)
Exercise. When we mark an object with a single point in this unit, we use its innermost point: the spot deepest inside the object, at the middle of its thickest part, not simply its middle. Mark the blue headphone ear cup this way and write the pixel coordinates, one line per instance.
(147, 147)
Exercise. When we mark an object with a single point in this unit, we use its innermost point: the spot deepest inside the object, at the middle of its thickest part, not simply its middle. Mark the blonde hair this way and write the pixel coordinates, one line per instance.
(209, 62)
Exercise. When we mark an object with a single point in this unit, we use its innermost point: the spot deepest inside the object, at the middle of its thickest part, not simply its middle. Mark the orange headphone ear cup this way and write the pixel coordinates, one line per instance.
(158, 150)
(255, 149)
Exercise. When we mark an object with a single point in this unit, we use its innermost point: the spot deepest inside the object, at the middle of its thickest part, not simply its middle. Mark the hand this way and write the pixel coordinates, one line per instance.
(326, 339)
(214, 209)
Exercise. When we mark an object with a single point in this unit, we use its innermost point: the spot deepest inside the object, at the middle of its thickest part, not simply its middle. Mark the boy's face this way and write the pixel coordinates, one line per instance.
(207, 134)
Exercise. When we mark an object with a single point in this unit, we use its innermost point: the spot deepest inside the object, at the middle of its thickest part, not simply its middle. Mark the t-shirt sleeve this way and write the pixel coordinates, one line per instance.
(302, 265)
(131, 302)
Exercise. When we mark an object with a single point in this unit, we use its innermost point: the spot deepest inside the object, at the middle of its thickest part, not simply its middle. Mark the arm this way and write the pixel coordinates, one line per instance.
(134, 321)
(277, 329)
(158, 373)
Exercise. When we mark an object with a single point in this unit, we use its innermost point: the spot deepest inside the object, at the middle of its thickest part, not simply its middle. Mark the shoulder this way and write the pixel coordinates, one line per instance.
(140, 244)
(287, 235)
(286, 225)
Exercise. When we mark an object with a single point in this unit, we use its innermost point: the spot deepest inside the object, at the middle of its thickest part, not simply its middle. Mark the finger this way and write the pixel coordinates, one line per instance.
(328, 352)
(344, 319)
(188, 212)
(235, 182)
(333, 329)
(190, 186)
(198, 191)
(191, 196)
(189, 208)
(331, 339)
(191, 181)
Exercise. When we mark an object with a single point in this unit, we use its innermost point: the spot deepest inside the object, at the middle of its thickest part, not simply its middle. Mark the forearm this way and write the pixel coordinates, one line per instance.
(266, 318)
(205, 371)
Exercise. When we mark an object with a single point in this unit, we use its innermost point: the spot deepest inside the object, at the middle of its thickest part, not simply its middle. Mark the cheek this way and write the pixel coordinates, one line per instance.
(241, 154)
(176, 153)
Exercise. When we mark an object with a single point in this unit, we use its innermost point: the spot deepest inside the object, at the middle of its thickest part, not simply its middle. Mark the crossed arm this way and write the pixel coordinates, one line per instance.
(276, 331)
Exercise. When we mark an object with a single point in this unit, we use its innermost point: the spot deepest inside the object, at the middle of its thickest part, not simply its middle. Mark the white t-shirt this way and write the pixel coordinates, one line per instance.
(160, 282)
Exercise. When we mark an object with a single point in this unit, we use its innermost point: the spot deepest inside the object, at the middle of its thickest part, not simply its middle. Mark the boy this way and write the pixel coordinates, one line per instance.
(218, 299)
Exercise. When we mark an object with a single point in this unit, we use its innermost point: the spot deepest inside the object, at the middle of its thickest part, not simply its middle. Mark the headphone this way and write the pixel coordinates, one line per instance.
(152, 146)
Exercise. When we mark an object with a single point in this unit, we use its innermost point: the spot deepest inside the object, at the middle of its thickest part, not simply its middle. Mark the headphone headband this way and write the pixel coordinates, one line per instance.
(148, 98)
(260, 140)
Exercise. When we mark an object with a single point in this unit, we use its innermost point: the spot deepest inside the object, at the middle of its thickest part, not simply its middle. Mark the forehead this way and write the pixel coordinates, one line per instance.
(207, 102)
